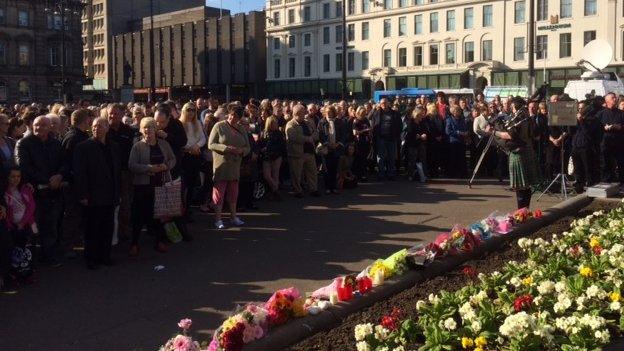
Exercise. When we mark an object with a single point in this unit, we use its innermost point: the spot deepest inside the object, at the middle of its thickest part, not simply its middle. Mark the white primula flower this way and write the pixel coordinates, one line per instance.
(516, 325)
(450, 324)
(595, 292)
(546, 287)
(363, 346)
(400, 348)
(560, 286)
(475, 326)
(603, 335)
(615, 306)
(381, 333)
(476, 299)
(515, 281)
(420, 304)
(434, 299)
(362, 331)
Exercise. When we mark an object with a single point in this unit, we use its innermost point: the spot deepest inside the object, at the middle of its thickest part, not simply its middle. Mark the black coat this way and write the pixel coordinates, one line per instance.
(40, 160)
(95, 180)
(341, 131)
(397, 124)
(8, 162)
(176, 137)
(73, 137)
(124, 137)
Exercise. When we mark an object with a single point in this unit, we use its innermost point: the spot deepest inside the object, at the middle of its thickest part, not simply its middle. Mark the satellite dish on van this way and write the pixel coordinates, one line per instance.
(597, 55)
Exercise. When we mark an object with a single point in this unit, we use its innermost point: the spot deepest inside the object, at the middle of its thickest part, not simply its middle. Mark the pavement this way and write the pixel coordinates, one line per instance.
(298, 242)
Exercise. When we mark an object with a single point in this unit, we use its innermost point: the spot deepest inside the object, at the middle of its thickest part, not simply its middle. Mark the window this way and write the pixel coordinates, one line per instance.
(403, 3)
(291, 67)
(418, 55)
(276, 18)
(325, 35)
(542, 10)
(351, 61)
(387, 57)
(54, 21)
(276, 43)
(339, 34)
(418, 24)
(291, 16)
(3, 53)
(365, 6)
(364, 60)
(387, 28)
(402, 57)
(419, 2)
(387, 4)
(450, 20)
(24, 90)
(433, 54)
(588, 36)
(541, 47)
(468, 18)
(519, 49)
(23, 58)
(351, 32)
(23, 18)
(339, 9)
(326, 63)
(468, 51)
(307, 15)
(307, 39)
(325, 10)
(486, 50)
(565, 45)
(2, 16)
(291, 41)
(402, 26)
(338, 62)
(433, 22)
(54, 59)
(487, 16)
(276, 68)
(565, 9)
(450, 53)
(519, 12)
(365, 30)
(307, 66)
(351, 7)
(591, 8)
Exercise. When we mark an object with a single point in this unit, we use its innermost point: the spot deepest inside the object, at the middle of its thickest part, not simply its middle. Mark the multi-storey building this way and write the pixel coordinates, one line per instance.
(31, 41)
(222, 57)
(103, 19)
(431, 44)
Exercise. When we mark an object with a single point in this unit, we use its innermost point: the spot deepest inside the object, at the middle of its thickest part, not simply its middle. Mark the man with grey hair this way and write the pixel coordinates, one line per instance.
(41, 159)
(300, 138)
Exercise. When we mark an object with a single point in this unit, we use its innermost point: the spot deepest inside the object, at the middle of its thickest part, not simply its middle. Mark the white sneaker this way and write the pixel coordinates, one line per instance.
(237, 221)
(219, 224)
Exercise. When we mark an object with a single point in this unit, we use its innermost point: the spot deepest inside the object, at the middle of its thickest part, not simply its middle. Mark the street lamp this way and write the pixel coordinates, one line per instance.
(64, 8)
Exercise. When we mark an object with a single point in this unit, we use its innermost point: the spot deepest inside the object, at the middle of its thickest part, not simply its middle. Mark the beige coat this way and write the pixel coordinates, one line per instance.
(226, 166)
(295, 138)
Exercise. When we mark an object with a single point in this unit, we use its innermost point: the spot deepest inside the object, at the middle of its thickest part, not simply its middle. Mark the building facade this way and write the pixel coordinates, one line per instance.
(394, 44)
(103, 19)
(31, 41)
(215, 57)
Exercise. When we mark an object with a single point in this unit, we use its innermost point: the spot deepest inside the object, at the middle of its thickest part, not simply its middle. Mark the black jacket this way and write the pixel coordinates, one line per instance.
(176, 137)
(97, 179)
(73, 137)
(8, 162)
(612, 116)
(341, 131)
(397, 124)
(124, 137)
(40, 160)
(588, 135)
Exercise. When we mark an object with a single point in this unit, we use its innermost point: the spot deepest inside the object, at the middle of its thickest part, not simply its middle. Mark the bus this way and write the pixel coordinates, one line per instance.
(405, 92)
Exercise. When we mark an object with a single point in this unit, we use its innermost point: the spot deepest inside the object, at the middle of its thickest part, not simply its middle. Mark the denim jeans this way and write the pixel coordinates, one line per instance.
(49, 213)
(386, 157)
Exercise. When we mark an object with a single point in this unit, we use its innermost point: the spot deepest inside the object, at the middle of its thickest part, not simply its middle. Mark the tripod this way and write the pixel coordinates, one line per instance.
(481, 158)
(561, 176)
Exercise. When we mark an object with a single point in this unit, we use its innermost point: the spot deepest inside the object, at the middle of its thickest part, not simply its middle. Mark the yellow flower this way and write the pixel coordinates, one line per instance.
(229, 324)
(456, 234)
(593, 242)
(467, 342)
(479, 349)
(615, 297)
(298, 309)
(379, 268)
(480, 342)
(586, 271)
(528, 281)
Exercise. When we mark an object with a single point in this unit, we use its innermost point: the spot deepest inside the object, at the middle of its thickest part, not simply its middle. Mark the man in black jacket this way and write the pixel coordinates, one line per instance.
(40, 157)
(387, 126)
(612, 120)
(98, 188)
(173, 132)
(586, 147)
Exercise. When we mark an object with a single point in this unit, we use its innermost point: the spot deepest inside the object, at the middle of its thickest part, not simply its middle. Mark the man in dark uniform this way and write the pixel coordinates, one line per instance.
(586, 146)
(612, 146)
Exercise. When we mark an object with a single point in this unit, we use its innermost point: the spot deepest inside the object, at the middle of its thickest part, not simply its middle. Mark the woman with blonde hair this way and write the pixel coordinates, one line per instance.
(272, 152)
(192, 151)
(362, 135)
(436, 142)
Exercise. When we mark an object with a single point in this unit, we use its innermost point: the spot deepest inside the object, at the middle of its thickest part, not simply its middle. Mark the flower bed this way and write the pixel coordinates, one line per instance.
(445, 324)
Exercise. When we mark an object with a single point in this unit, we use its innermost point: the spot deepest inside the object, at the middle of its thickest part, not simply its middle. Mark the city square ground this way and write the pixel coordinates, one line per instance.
(298, 242)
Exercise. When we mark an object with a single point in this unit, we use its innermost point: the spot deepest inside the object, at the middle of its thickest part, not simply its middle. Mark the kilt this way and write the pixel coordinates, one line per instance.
(523, 171)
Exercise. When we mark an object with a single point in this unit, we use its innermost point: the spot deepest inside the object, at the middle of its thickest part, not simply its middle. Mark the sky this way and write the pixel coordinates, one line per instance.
(236, 6)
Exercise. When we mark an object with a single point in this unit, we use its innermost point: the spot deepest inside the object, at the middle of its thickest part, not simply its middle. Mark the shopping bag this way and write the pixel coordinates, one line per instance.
(173, 233)
(168, 200)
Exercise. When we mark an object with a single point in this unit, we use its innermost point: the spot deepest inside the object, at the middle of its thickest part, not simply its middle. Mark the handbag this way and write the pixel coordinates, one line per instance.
(168, 200)
(173, 233)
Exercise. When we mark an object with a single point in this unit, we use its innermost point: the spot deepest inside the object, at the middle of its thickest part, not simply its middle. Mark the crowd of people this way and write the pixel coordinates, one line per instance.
(86, 175)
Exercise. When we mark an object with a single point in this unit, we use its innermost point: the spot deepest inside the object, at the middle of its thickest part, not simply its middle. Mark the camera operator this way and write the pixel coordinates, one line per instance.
(612, 140)
(586, 146)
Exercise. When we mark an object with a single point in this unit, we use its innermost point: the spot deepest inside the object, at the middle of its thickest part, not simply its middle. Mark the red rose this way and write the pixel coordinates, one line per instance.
(597, 250)
(523, 302)
(469, 271)
(538, 213)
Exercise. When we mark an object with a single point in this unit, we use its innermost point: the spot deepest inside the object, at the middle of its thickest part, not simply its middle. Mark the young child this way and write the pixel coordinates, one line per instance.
(20, 223)
(346, 178)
